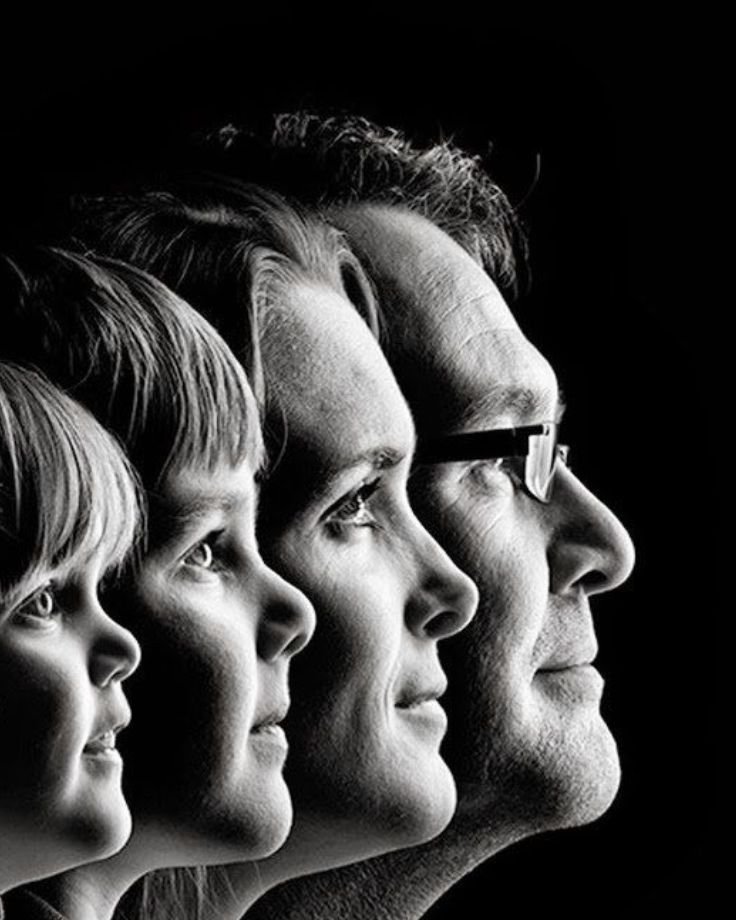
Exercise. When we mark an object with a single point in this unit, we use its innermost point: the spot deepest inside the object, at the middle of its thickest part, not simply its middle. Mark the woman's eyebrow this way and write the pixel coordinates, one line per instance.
(378, 458)
(323, 481)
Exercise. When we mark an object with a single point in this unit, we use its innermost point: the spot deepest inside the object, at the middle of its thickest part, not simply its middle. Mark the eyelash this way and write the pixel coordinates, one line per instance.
(214, 563)
(352, 510)
(504, 465)
(33, 618)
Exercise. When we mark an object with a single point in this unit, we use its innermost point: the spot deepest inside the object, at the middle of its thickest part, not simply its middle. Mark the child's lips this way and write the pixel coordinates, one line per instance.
(103, 741)
(102, 744)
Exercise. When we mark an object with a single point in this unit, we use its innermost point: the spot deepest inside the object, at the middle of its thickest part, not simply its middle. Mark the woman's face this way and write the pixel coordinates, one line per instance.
(218, 629)
(365, 726)
(62, 663)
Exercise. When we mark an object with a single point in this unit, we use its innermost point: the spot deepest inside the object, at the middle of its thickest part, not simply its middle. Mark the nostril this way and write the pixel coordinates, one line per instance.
(297, 644)
(595, 581)
(442, 624)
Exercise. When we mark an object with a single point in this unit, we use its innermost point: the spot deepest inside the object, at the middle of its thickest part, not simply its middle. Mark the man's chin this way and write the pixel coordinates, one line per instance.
(554, 774)
(577, 774)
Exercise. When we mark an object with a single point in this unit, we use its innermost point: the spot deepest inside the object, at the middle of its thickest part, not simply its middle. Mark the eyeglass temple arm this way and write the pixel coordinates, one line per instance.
(507, 442)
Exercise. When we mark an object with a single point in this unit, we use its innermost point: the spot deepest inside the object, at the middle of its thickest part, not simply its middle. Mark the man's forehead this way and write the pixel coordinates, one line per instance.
(421, 270)
(457, 350)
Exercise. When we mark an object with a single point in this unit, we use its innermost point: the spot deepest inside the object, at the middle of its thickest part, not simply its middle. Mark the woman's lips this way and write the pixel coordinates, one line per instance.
(419, 708)
(416, 693)
(268, 735)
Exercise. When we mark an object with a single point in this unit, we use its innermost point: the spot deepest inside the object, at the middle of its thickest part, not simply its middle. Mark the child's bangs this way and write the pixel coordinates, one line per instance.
(194, 405)
(67, 489)
(219, 418)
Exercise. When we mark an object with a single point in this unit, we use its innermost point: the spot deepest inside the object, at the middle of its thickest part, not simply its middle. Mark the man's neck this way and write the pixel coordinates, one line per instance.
(401, 885)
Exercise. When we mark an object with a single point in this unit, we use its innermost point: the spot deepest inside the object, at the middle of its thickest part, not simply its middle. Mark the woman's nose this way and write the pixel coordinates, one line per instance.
(445, 600)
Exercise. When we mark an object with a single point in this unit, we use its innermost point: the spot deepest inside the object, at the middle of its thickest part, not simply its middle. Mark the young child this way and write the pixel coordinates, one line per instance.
(68, 516)
(217, 627)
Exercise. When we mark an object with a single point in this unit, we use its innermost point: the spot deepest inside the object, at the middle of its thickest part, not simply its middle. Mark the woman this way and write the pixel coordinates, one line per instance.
(218, 628)
(365, 770)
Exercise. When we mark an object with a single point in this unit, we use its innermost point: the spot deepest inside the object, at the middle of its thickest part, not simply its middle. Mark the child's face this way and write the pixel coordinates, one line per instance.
(204, 760)
(62, 661)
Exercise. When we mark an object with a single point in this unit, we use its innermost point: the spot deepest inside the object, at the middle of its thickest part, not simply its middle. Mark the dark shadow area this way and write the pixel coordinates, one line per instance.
(596, 137)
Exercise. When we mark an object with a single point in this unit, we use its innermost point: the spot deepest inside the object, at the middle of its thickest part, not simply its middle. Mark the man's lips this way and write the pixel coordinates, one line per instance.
(570, 655)
(567, 665)
(271, 717)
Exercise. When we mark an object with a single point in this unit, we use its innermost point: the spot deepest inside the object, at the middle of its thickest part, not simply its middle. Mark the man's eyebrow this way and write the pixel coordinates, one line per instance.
(523, 402)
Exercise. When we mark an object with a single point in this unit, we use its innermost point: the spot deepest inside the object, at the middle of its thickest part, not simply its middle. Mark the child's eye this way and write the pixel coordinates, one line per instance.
(200, 556)
(39, 610)
(209, 555)
(353, 509)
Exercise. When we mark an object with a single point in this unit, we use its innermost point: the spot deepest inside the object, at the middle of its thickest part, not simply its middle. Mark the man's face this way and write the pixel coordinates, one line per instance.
(365, 726)
(526, 741)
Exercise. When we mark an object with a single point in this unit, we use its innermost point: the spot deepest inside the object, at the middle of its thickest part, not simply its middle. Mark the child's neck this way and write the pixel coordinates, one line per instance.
(92, 891)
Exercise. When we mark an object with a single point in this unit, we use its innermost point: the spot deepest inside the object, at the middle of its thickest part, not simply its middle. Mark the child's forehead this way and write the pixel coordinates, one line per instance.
(195, 490)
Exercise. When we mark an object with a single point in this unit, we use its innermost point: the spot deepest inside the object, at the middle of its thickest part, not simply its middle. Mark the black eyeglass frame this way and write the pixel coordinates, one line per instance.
(532, 442)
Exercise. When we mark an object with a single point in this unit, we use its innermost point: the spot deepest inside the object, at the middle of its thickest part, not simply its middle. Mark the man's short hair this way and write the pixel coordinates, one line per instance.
(345, 159)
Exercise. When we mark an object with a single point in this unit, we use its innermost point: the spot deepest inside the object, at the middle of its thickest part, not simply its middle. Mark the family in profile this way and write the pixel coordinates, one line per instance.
(296, 576)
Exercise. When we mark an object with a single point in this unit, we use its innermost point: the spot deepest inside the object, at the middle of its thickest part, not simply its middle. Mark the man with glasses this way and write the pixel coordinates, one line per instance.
(526, 741)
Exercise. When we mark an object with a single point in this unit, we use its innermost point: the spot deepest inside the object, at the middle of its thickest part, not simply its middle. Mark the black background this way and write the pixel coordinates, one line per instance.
(600, 135)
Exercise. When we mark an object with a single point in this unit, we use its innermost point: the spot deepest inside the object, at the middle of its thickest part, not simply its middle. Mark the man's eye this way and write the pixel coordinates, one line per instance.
(39, 610)
(494, 473)
(353, 510)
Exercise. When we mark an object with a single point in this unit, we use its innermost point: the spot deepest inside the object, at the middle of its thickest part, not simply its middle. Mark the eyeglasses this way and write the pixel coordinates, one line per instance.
(535, 445)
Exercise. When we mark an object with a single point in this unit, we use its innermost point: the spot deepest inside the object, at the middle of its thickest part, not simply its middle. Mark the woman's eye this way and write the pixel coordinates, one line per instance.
(353, 510)
(40, 609)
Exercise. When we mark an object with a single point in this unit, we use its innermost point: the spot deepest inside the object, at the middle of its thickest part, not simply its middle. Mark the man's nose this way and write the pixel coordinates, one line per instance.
(589, 547)
(445, 600)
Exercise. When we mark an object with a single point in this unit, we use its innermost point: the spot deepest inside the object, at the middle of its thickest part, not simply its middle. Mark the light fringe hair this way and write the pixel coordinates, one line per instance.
(230, 248)
(66, 488)
(146, 364)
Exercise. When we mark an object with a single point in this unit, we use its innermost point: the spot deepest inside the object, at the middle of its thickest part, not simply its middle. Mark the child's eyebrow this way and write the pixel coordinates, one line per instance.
(168, 521)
